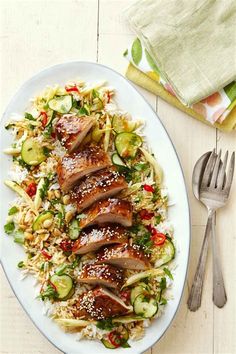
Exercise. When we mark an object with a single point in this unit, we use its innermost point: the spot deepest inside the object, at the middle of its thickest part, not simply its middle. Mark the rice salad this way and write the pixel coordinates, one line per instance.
(40, 217)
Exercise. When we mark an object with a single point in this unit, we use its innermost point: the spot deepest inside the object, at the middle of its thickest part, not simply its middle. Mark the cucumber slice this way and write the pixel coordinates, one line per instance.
(38, 223)
(121, 124)
(145, 306)
(166, 253)
(142, 288)
(63, 284)
(32, 152)
(61, 104)
(127, 144)
(74, 229)
(107, 344)
(117, 161)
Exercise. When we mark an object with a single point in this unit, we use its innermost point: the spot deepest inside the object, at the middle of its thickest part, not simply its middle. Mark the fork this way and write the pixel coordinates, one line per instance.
(214, 192)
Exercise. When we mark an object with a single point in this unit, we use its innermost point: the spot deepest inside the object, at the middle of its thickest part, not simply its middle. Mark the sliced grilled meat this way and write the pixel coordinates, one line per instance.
(103, 274)
(100, 304)
(71, 130)
(110, 210)
(73, 167)
(100, 185)
(93, 238)
(124, 256)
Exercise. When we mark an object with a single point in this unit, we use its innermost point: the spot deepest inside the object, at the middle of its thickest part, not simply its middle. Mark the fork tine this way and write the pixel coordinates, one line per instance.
(215, 171)
(230, 173)
(221, 175)
(208, 169)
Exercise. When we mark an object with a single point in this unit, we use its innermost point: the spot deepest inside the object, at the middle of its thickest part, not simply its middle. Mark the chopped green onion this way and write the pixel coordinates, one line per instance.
(29, 116)
(20, 264)
(9, 227)
(13, 210)
(19, 237)
(168, 272)
(60, 270)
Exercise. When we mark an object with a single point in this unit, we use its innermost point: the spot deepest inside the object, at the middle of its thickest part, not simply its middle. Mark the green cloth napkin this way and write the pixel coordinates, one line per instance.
(192, 42)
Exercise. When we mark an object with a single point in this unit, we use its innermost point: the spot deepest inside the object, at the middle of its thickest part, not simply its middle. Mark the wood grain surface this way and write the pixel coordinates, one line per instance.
(36, 34)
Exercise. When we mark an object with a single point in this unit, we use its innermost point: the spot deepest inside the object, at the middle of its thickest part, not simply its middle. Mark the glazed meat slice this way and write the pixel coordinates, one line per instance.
(124, 256)
(111, 210)
(103, 274)
(73, 167)
(102, 184)
(71, 130)
(93, 238)
(100, 304)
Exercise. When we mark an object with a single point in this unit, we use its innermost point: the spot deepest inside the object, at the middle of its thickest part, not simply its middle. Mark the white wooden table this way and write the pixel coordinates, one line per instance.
(36, 34)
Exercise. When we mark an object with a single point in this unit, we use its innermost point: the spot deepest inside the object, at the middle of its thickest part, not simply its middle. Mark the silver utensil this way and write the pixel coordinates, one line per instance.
(211, 187)
(195, 296)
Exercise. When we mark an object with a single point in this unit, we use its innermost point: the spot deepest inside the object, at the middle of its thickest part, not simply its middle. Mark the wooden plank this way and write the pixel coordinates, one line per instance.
(191, 332)
(225, 319)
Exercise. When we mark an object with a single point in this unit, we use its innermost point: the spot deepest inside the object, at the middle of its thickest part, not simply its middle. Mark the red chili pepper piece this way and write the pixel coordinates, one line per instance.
(145, 215)
(46, 254)
(114, 338)
(72, 89)
(66, 245)
(54, 286)
(44, 118)
(148, 188)
(31, 189)
(151, 229)
(158, 239)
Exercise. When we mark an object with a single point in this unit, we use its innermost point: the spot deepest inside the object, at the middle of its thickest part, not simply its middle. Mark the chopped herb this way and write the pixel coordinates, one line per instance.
(9, 227)
(105, 324)
(31, 127)
(158, 219)
(48, 131)
(84, 111)
(60, 220)
(13, 210)
(163, 301)
(55, 201)
(61, 269)
(49, 293)
(44, 189)
(156, 195)
(42, 266)
(75, 103)
(46, 151)
(142, 237)
(140, 166)
(168, 272)
(95, 94)
(125, 53)
(22, 163)
(124, 343)
(162, 284)
(75, 262)
(29, 116)
(20, 264)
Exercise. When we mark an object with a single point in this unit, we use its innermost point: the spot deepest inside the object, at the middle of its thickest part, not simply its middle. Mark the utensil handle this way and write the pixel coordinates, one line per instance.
(219, 293)
(195, 296)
